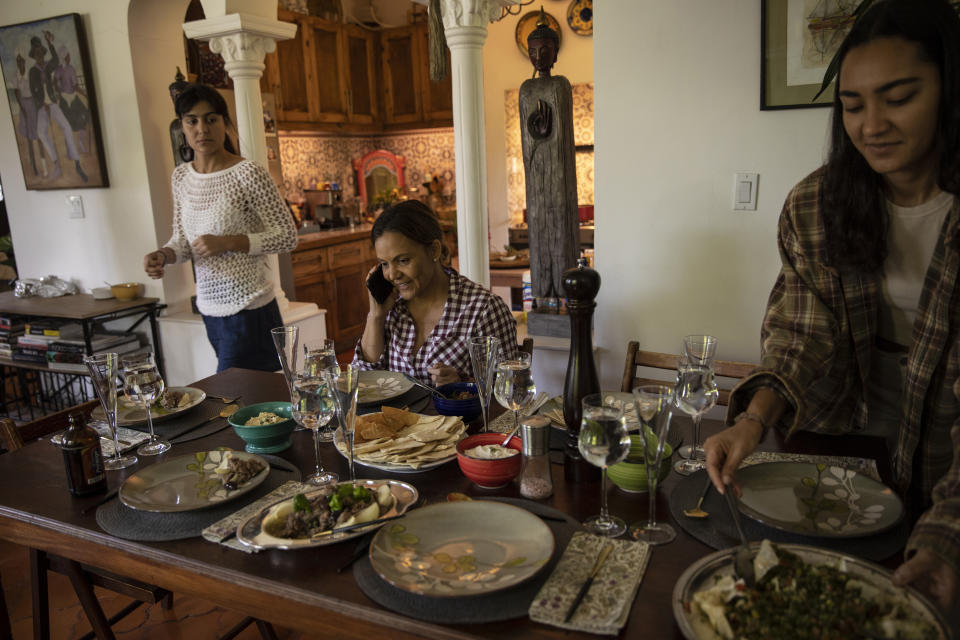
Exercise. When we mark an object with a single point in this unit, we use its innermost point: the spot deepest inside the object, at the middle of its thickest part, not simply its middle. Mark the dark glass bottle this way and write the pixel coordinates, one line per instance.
(83, 457)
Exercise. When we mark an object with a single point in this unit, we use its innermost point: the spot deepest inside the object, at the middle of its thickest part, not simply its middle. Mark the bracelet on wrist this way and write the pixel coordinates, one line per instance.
(756, 417)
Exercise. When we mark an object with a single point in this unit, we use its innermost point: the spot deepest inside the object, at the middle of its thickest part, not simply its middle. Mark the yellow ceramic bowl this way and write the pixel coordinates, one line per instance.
(127, 290)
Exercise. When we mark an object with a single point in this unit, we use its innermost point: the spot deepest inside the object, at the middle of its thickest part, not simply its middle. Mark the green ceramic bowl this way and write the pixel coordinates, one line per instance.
(631, 474)
(269, 438)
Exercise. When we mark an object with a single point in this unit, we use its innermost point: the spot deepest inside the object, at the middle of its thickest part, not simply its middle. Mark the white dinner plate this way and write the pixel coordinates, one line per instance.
(130, 413)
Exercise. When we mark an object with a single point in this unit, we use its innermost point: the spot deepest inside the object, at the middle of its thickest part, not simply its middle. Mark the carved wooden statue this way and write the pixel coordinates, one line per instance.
(546, 123)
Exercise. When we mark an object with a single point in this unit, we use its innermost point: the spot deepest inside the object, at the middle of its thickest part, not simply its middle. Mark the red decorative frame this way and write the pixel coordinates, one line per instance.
(380, 158)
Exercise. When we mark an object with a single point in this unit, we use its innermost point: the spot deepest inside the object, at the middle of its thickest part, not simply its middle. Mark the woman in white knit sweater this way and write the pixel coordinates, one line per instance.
(227, 216)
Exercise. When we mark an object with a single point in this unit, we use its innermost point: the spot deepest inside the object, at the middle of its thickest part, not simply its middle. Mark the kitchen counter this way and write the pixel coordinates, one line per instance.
(332, 236)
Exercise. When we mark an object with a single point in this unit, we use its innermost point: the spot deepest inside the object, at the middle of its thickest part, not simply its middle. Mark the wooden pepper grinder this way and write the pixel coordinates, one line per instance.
(581, 285)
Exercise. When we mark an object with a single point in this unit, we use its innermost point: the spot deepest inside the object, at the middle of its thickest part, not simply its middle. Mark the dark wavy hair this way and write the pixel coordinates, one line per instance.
(852, 199)
(196, 93)
(414, 220)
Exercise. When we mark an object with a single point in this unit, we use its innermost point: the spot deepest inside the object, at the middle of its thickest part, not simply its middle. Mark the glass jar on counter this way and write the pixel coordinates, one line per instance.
(536, 481)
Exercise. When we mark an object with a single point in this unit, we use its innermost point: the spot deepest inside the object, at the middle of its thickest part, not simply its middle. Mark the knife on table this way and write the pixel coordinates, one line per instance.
(586, 585)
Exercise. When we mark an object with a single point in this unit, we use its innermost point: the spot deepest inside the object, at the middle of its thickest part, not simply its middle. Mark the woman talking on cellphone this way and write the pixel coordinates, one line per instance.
(862, 329)
(428, 311)
(227, 216)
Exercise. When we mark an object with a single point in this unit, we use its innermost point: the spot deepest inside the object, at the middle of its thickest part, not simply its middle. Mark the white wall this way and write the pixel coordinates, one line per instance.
(677, 113)
(506, 67)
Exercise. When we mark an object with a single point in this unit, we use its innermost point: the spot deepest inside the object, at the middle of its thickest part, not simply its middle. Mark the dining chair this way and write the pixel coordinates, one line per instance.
(729, 370)
(85, 577)
(526, 346)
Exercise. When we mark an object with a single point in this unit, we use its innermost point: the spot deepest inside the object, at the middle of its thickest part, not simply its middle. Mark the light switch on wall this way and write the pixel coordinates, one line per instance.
(745, 191)
(75, 206)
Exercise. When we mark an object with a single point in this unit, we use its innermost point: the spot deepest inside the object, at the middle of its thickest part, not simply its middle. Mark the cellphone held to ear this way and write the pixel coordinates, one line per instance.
(379, 286)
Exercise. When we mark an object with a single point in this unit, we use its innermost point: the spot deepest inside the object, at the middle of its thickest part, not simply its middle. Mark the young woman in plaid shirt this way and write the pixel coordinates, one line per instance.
(423, 326)
(860, 332)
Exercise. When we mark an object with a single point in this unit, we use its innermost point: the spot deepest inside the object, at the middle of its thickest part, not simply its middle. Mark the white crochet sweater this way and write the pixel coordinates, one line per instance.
(239, 200)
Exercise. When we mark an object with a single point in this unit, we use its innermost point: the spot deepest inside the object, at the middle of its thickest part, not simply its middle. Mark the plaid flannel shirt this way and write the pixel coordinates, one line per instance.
(817, 337)
(470, 311)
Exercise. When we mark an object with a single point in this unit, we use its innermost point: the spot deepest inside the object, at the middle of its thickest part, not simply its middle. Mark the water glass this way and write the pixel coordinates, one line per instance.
(142, 384)
(654, 404)
(314, 404)
(699, 349)
(346, 382)
(103, 375)
(603, 441)
(696, 393)
(484, 355)
(514, 387)
(318, 355)
(285, 340)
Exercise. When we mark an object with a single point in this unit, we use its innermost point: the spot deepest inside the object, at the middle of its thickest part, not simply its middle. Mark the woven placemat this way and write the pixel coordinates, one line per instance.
(121, 521)
(719, 532)
(500, 605)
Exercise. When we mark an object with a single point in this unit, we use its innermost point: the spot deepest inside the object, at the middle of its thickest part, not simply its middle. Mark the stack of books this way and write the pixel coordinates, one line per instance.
(66, 351)
(56, 344)
(11, 328)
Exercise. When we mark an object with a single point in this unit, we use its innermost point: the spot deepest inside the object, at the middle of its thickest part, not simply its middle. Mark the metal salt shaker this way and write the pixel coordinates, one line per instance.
(536, 482)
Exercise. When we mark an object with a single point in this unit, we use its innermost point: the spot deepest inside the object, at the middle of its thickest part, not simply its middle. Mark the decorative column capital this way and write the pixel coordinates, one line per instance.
(471, 13)
(241, 36)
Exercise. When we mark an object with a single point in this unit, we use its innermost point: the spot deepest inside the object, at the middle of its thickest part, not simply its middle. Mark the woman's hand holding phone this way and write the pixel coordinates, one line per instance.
(382, 292)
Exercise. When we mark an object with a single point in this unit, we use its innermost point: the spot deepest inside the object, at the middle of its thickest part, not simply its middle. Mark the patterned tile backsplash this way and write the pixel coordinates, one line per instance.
(582, 134)
(310, 159)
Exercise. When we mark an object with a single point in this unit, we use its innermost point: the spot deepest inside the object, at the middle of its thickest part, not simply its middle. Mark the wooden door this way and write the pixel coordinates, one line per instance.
(325, 54)
(360, 72)
(437, 96)
(401, 75)
(288, 74)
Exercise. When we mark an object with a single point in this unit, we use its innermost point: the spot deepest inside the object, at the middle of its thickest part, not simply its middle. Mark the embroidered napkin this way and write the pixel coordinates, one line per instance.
(129, 438)
(606, 606)
(224, 531)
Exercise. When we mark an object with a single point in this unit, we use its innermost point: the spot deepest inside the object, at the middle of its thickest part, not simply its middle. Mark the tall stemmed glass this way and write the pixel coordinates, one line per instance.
(142, 383)
(103, 375)
(603, 441)
(314, 404)
(347, 383)
(318, 355)
(655, 408)
(696, 393)
(286, 339)
(514, 387)
(698, 350)
(484, 355)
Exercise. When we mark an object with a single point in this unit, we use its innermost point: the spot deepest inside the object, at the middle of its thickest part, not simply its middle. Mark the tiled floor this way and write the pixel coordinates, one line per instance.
(189, 619)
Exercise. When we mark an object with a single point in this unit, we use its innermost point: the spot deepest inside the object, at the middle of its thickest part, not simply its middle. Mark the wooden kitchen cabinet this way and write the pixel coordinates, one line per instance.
(360, 49)
(330, 269)
(410, 98)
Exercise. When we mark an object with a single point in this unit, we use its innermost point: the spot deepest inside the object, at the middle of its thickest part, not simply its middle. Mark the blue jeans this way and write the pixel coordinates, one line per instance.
(243, 339)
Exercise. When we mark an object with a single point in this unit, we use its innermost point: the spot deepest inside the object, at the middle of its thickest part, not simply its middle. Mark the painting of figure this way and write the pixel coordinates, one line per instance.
(47, 75)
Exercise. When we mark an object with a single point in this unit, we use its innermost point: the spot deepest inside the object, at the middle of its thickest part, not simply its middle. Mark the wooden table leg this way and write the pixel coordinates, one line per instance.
(41, 603)
(5, 632)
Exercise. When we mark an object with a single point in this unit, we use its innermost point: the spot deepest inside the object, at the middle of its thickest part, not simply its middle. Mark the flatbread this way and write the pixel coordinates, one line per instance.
(397, 436)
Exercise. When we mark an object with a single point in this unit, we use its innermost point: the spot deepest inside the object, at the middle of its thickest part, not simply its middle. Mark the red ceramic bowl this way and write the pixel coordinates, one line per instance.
(489, 474)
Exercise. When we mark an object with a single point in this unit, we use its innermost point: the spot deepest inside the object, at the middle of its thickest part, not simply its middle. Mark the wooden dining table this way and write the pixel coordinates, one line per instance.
(301, 589)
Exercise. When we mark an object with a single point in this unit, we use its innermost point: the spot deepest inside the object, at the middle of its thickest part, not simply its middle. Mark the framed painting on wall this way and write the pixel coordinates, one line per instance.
(49, 82)
(798, 40)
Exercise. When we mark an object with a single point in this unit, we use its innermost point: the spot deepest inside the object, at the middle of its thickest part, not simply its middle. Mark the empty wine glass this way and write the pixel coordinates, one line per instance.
(318, 355)
(699, 349)
(514, 387)
(314, 404)
(603, 441)
(696, 393)
(285, 339)
(484, 355)
(655, 408)
(346, 381)
(142, 384)
(103, 375)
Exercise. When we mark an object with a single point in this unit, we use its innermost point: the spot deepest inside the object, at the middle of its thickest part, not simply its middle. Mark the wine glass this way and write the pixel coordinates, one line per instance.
(654, 408)
(142, 383)
(314, 404)
(484, 355)
(514, 387)
(103, 375)
(696, 394)
(285, 340)
(318, 355)
(699, 349)
(346, 382)
(603, 441)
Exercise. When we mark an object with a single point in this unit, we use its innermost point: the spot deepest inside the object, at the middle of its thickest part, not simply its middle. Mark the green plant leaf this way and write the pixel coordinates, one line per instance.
(832, 68)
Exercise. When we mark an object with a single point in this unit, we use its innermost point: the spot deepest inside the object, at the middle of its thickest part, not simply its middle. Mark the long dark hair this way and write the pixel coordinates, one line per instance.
(196, 93)
(414, 220)
(854, 212)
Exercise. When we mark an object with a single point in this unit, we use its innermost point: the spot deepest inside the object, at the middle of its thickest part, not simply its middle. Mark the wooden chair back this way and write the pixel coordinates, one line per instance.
(13, 437)
(729, 371)
(526, 346)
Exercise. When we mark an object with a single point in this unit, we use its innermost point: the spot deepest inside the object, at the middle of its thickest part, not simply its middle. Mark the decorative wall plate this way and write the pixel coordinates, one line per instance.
(526, 25)
(580, 17)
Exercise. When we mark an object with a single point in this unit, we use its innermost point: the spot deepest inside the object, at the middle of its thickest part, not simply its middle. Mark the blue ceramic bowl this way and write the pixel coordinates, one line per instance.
(269, 438)
(468, 408)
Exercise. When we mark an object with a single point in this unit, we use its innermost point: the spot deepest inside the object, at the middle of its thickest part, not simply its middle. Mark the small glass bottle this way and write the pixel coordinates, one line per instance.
(536, 482)
(83, 457)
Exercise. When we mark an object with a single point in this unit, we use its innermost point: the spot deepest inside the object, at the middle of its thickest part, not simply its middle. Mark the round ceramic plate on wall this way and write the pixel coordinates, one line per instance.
(528, 23)
(580, 17)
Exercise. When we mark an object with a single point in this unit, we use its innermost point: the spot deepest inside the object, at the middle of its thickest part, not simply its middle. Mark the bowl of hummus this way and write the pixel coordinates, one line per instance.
(485, 460)
(265, 426)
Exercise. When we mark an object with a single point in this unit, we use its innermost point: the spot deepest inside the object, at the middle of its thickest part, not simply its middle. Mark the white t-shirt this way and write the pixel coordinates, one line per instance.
(238, 200)
(911, 239)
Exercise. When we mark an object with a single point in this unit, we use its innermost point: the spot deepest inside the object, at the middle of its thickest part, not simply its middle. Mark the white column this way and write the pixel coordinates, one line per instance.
(243, 40)
(465, 24)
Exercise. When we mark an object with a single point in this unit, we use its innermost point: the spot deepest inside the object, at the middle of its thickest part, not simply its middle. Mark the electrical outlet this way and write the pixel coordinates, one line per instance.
(75, 206)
